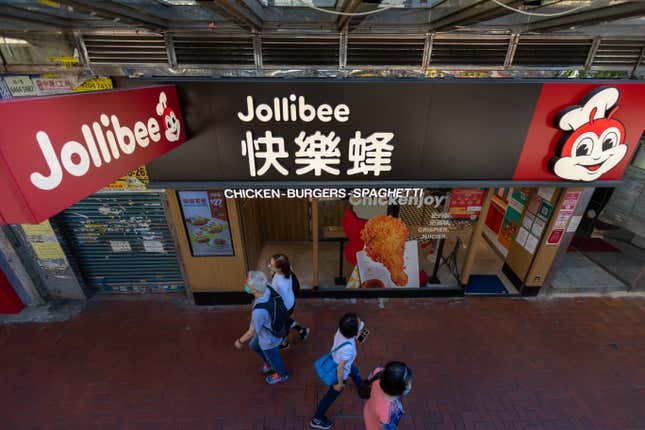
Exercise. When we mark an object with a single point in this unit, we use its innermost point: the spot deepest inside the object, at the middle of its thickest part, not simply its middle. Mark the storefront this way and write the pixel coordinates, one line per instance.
(372, 188)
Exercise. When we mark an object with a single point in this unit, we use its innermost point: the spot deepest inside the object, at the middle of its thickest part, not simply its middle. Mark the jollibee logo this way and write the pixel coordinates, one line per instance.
(592, 142)
(170, 121)
(104, 140)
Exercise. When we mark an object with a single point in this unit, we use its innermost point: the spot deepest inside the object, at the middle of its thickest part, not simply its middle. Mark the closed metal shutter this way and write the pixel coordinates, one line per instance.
(120, 242)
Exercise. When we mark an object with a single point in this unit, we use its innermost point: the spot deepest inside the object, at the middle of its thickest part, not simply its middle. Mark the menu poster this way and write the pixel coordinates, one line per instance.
(206, 222)
(466, 203)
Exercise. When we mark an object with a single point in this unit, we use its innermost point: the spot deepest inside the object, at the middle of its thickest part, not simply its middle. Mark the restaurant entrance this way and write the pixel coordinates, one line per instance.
(278, 226)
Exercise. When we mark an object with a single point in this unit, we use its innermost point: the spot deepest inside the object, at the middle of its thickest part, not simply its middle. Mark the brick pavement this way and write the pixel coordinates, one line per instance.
(487, 363)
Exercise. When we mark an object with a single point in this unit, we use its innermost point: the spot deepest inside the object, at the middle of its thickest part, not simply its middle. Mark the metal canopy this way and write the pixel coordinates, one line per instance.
(260, 15)
(256, 37)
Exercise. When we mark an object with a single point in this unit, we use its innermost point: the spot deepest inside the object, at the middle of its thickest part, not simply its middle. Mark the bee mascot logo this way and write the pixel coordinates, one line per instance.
(592, 142)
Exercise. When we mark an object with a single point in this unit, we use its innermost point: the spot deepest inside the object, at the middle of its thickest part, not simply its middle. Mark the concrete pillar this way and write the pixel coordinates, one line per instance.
(44, 260)
(16, 272)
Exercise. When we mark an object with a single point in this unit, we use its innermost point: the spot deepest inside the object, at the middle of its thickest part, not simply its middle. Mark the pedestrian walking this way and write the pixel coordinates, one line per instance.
(269, 325)
(384, 409)
(344, 354)
(286, 283)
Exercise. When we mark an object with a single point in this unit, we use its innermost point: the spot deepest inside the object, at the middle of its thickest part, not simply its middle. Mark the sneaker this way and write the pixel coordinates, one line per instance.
(284, 345)
(304, 334)
(266, 369)
(276, 379)
(323, 424)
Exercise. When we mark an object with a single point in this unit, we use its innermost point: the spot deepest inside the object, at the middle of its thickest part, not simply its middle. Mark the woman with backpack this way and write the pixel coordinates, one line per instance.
(384, 409)
(286, 283)
(269, 325)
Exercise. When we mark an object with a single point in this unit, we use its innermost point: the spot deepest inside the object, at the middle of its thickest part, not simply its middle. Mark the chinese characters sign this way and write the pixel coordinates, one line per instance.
(316, 152)
(206, 222)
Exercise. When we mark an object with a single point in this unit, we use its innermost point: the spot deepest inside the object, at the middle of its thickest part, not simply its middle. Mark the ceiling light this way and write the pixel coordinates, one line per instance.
(12, 41)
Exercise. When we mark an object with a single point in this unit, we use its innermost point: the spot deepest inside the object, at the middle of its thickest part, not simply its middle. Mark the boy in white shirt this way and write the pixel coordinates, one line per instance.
(344, 355)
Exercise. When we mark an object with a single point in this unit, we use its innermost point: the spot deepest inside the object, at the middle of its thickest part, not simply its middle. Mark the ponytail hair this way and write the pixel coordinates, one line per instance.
(282, 263)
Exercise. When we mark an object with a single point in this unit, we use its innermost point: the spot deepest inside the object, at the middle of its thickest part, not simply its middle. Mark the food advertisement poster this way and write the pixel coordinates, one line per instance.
(466, 203)
(206, 221)
(382, 250)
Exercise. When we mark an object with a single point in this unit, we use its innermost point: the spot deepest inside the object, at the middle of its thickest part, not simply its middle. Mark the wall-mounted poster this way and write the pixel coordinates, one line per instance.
(545, 210)
(383, 251)
(510, 226)
(466, 203)
(206, 222)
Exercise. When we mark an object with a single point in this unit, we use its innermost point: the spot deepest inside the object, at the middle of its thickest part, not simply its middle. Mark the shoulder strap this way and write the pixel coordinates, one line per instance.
(340, 346)
(263, 305)
(376, 376)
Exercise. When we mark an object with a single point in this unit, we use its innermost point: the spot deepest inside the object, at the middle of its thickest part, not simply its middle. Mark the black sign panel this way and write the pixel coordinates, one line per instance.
(349, 131)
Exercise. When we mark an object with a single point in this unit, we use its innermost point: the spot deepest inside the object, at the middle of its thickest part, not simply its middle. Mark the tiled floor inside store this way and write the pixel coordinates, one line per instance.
(301, 257)
(487, 261)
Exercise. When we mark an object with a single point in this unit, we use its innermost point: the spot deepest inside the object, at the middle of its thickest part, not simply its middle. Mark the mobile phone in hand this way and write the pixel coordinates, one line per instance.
(362, 335)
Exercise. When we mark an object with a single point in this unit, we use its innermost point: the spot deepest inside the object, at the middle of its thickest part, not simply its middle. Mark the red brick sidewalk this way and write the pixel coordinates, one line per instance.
(156, 363)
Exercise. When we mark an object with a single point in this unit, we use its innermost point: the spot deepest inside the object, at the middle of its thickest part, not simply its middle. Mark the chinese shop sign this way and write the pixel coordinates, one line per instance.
(317, 152)
(404, 132)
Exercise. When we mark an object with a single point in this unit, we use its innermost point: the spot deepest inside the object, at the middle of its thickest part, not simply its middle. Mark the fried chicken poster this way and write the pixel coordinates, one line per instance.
(388, 259)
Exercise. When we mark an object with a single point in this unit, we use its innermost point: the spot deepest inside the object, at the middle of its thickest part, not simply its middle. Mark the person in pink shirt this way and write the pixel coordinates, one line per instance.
(384, 409)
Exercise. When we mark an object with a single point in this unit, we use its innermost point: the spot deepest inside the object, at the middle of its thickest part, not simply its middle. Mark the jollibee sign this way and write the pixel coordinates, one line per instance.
(432, 133)
(55, 151)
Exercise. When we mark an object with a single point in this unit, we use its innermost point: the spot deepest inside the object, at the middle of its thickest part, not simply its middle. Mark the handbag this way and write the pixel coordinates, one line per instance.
(365, 389)
(326, 366)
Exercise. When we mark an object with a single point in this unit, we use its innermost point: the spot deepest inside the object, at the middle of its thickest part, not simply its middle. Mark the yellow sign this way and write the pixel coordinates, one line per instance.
(42, 229)
(136, 180)
(95, 84)
(66, 61)
(48, 250)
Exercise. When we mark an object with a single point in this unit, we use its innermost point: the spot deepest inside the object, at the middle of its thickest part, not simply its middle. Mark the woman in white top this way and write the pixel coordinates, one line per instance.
(282, 282)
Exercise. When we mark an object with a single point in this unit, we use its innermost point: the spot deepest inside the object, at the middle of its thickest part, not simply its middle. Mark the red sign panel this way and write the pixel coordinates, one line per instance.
(54, 151)
(466, 202)
(555, 237)
(582, 132)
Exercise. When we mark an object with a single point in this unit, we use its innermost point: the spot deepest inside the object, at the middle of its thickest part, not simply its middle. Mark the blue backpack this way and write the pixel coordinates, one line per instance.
(326, 366)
